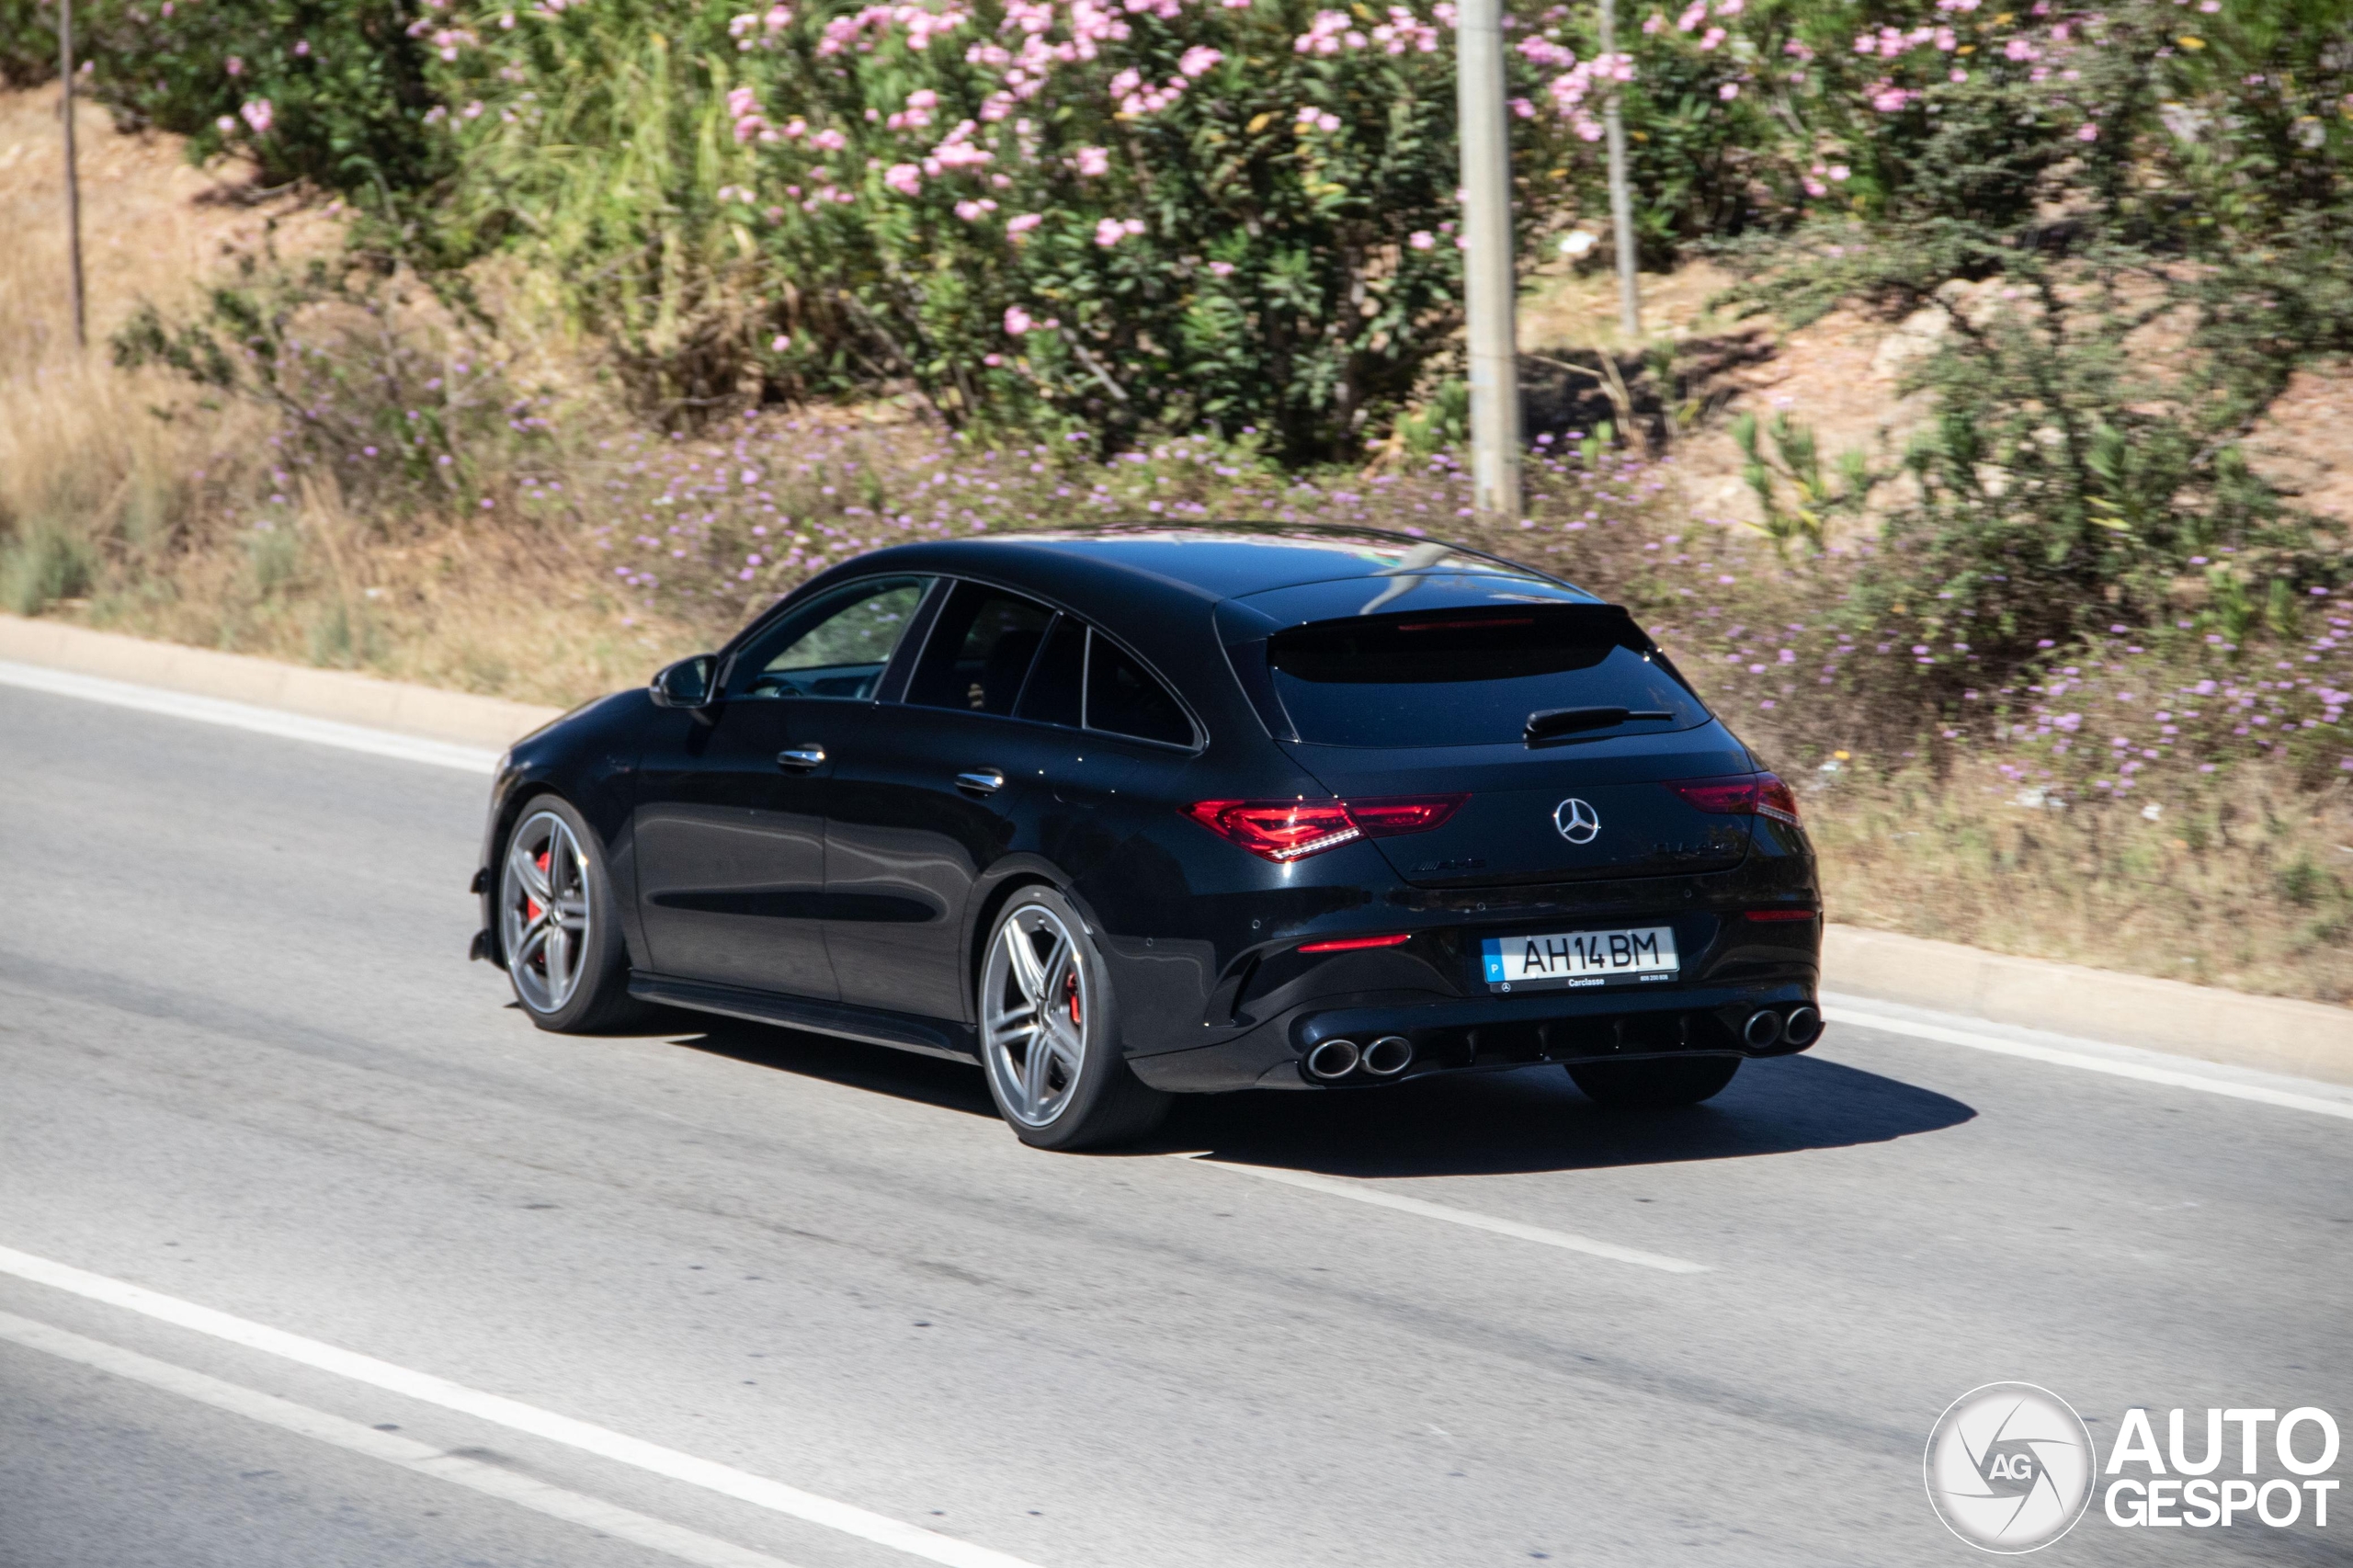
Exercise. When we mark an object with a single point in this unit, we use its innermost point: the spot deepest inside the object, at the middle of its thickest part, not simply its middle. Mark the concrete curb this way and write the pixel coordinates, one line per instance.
(338, 694)
(2307, 1040)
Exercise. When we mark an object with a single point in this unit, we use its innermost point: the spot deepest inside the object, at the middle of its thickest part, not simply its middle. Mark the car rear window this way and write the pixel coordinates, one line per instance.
(1443, 678)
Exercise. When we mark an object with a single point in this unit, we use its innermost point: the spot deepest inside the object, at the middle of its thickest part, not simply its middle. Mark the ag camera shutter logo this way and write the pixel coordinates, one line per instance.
(2010, 1467)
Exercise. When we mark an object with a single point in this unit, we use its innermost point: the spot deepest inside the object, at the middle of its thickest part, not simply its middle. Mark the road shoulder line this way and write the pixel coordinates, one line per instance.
(1381, 1198)
(539, 1496)
(246, 716)
(2094, 1056)
(589, 1437)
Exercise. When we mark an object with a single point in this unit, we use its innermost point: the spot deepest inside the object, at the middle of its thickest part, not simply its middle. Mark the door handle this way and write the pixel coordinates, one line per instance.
(801, 756)
(981, 781)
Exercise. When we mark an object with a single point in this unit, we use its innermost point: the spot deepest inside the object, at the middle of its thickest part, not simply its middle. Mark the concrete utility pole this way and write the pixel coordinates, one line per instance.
(1489, 284)
(72, 175)
(1621, 202)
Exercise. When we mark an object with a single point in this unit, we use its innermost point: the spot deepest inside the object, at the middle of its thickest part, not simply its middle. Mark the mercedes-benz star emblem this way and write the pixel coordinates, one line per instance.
(1578, 823)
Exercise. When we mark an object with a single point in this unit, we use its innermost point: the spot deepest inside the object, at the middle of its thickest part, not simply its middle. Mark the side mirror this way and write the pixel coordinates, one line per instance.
(686, 684)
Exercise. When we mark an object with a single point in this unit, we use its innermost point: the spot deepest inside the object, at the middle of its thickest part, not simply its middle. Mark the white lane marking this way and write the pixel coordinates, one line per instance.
(573, 1507)
(1843, 1012)
(589, 1437)
(1379, 1199)
(246, 716)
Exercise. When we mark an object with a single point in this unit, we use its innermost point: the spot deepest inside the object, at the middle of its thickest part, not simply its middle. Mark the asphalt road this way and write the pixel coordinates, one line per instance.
(244, 1064)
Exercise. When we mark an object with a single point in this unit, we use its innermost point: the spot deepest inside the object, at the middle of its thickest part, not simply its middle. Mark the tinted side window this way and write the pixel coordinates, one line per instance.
(980, 650)
(1123, 698)
(1052, 695)
(836, 646)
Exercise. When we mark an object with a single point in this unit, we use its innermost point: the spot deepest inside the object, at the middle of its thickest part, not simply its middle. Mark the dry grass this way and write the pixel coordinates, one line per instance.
(2245, 888)
(120, 492)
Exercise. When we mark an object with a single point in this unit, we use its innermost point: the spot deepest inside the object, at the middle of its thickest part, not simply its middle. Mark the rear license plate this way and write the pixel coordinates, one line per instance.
(1572, 960)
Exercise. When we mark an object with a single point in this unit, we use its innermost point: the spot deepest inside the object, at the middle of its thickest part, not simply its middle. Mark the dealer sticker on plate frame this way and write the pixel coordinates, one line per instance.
(1577, 961)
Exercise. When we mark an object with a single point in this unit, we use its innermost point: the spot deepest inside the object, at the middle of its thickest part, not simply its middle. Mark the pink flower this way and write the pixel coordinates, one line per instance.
(1221, 269)
(904, 179)
(1729, 91)
(992, 361)
(1198, 60)
(780, 343)
(1523, 108)
(1711, 38)
(1022, 224)
(2089, 132)
(1420, 240)
(257, 113)
(234, 66)
(1093, 162)
(1111, 231)
(1840, 172)
(1016, 320)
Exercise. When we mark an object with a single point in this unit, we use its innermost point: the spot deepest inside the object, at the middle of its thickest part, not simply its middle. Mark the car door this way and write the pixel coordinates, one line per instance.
(730, 820)
(929, 799)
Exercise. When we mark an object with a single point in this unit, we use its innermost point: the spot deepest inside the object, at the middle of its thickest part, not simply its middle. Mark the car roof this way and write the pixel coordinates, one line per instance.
(1213, 563)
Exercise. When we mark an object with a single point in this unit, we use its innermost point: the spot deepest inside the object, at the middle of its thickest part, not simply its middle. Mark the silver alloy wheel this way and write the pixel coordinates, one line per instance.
(543, 912)
(1036, 1008)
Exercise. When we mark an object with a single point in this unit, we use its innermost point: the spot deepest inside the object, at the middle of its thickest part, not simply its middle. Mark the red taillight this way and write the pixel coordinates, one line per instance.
(1762, 793)
(1402, 814)
(1350, 944)
(1777, 915)
(1283, 831)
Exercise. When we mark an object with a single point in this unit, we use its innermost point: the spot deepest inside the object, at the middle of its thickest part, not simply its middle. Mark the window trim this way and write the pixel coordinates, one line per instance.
(1198, 743)
(787, 607)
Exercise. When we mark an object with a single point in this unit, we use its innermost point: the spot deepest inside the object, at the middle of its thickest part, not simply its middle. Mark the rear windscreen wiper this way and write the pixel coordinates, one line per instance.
(1549, 722)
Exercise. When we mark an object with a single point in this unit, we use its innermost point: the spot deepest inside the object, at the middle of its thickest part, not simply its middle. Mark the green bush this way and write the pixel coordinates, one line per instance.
(28, 43)
(329, 91)
(1158, 216)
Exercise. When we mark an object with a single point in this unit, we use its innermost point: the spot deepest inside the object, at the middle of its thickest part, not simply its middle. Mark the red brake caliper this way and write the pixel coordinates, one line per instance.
(1071, 990)
(530, 905)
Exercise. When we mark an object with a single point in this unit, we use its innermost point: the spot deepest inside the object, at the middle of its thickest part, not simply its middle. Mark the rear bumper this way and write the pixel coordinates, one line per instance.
(1475, 1034)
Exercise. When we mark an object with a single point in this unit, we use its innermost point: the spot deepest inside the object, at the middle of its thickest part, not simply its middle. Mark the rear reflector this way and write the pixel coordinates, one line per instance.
(1741, 794)
(1284, 831)
(1350, 944)
(1779, 914)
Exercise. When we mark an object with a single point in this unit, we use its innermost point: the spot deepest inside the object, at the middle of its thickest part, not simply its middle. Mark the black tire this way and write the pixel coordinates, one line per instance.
(597, 997)
(1657, 1085)
(1104, 1103)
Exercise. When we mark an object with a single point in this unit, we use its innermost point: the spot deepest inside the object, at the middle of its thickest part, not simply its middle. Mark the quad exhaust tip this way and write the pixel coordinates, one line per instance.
(1333, 1059)
(1761, 1030)
(1388, 1056)
(1803, 1027)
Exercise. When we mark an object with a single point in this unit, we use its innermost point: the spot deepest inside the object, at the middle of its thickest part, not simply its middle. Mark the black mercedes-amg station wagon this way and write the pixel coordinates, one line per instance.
(1123, 815)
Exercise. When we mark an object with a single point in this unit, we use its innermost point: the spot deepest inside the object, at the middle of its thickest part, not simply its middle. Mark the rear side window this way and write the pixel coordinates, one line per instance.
(1454, 679)
(1125, 698)
(980, 651)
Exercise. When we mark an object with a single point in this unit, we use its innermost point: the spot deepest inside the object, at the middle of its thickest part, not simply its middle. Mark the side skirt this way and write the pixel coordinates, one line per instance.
(928, 1037)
